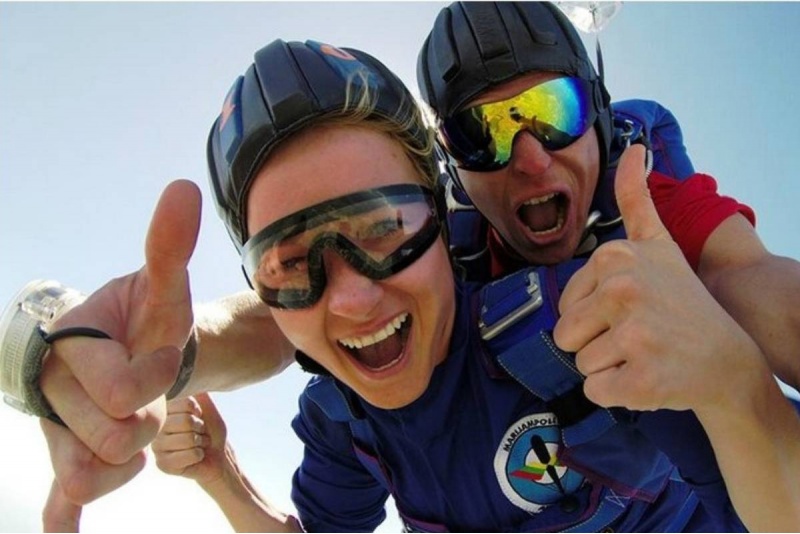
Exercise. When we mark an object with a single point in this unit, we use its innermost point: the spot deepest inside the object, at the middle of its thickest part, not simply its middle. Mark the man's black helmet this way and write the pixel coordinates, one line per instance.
(289, 85)
(475, 46)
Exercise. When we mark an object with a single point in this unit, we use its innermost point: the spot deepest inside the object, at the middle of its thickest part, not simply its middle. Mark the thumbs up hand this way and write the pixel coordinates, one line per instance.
(646, 332)
(110, 392)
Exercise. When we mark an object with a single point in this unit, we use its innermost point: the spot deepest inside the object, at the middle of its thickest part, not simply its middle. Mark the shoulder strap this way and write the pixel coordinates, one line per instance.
(467, 229)
(662, 129)
(517, 315)
(340, 405)
(634, 119)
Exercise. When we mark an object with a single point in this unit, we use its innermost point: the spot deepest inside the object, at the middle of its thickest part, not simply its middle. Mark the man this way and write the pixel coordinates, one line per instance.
(537, 171)
(486, 65)
(98, 415)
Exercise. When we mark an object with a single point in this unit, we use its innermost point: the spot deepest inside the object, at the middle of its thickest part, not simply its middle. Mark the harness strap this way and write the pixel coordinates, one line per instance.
(602, 444)
(609, 508)
(680, 520)
(339, 407)
(467, 235)
(517, 314)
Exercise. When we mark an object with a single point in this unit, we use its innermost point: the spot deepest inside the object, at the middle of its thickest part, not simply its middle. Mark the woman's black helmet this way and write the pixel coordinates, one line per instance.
(289, 85)
(475, 46)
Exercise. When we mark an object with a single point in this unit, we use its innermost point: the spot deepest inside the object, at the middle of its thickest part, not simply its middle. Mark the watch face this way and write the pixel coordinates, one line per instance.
(22, 346)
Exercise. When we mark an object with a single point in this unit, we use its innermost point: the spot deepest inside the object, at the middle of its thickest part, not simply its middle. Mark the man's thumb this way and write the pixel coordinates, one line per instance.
(171, 240)
(633, 197)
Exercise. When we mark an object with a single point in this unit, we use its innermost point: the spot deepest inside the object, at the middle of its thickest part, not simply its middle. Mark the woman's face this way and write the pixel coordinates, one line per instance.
(382, 338)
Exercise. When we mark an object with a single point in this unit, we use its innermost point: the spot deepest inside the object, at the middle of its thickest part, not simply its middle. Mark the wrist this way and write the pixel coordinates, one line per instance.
(24, 342)
(747, 392)
(228, 479)
(187, 365)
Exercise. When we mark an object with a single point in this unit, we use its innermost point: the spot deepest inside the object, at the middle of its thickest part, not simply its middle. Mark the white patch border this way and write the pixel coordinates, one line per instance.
(521, 426)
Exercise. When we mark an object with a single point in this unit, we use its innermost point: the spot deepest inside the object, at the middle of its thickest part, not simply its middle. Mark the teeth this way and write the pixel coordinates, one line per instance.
(540, 200)
(370, 339)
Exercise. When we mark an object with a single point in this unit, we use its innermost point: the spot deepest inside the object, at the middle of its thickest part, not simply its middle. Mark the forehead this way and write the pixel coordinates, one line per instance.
(321, 163)
(513, 87)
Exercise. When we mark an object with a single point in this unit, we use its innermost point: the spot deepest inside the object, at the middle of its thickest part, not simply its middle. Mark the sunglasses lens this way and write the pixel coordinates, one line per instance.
(378, 232)
(557, 113)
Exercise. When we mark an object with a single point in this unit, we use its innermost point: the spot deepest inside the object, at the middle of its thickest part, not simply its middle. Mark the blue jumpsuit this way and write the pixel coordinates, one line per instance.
(463, 457)
(480, 452)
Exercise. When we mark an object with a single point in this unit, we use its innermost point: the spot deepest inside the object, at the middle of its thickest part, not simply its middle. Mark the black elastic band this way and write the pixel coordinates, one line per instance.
(572, 406)
(75, 331)
(34, 392)
(187, 366)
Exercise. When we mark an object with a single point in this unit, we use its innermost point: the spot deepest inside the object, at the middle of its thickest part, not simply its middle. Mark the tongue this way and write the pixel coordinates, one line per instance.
(540, 217)
(381, 353)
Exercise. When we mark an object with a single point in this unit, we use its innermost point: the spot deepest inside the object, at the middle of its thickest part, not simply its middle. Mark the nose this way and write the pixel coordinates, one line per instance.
(528, 156)
(350, 294)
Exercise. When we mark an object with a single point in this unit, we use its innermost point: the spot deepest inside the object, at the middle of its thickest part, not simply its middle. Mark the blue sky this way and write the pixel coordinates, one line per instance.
(102, 104)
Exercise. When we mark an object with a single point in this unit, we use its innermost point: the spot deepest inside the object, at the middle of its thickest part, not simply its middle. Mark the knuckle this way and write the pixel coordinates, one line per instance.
(188, 422)
(197, 454)
(165, 465)
(77, 484)
(123, 396)
(623, 289)
(118, 442)
(581, 362)
(613, 254)
(564, 332)
(595, 392)
(115, 446)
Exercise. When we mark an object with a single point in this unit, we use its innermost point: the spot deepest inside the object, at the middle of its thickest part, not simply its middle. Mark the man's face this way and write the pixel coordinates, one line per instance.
(540, 201)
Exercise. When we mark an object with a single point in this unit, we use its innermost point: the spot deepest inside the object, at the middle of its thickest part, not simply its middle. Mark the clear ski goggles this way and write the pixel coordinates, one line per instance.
(557, 113)
(379, 232)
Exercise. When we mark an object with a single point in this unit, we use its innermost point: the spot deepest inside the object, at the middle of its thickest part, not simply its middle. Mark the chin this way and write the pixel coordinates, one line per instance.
(550, 255)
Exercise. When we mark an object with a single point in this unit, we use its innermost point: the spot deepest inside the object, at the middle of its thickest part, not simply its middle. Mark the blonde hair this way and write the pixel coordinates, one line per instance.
(406, 125)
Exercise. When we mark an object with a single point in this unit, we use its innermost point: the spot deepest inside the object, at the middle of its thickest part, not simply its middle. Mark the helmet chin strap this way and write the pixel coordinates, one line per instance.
(600, 70)
(588, 239)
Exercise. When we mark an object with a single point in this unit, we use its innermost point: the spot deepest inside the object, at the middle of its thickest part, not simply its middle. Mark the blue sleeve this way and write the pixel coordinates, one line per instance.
(662, 128)
(332, 490)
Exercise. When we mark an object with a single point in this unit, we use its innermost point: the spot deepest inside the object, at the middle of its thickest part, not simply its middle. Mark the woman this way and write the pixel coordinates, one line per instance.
(324, 174)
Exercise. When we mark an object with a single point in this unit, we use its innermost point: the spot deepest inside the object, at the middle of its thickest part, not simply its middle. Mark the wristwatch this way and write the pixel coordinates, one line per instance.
(25, 337)
(23, 327)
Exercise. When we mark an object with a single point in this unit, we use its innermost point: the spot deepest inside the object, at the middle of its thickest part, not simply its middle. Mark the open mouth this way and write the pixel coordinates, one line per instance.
(382, 349)
(544, 215)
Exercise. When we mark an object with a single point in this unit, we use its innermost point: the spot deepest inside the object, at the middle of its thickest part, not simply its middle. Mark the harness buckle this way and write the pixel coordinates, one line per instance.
(490, 327)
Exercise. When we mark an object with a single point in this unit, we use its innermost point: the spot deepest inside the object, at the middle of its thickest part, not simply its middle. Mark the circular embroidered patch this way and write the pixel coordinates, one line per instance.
(526, 463)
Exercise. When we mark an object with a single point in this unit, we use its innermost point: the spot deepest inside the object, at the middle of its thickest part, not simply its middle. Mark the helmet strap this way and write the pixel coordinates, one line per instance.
(600, 69)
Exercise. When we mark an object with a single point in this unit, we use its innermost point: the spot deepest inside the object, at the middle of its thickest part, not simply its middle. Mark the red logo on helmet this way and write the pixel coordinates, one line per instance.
(227, 110)
(336, 52)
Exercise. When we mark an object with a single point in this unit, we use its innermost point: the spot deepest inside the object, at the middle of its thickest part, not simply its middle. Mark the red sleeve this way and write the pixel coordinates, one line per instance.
(691, 209)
